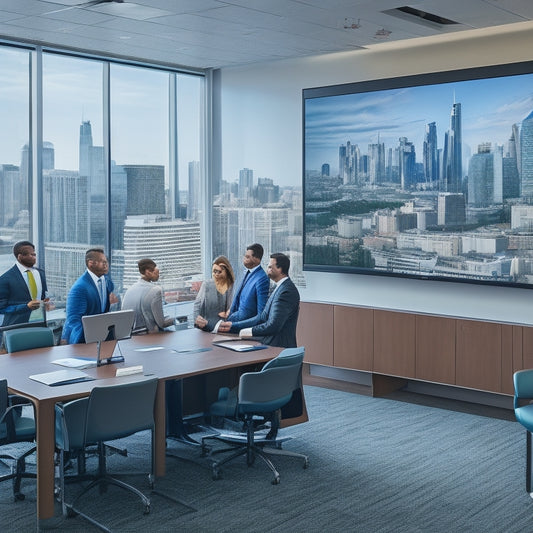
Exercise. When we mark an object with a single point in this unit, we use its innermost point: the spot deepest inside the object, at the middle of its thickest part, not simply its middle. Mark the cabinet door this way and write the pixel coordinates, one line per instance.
(435, 349)
(315, 332)
(394, 343)
(353, 339)
(479, 355)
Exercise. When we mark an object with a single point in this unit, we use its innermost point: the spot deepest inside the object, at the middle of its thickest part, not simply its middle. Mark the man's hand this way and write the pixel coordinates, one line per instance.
(224, 327)
(34, 304)
(113, 298)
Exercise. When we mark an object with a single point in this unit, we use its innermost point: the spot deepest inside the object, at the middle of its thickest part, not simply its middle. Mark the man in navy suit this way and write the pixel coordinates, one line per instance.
(22, 287)
(252, 294)
(276, 324)
(91, 294)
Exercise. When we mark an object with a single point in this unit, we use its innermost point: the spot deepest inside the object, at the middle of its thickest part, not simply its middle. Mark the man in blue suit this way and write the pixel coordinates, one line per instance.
(276, 324)
(252, 294)
(91, 294)
(22, 287)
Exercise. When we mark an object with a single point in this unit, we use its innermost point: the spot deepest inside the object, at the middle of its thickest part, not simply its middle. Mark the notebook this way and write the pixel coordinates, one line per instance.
(62, 377)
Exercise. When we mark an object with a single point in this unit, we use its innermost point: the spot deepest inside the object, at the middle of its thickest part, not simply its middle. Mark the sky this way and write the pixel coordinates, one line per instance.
(489, 109)
(72, 92)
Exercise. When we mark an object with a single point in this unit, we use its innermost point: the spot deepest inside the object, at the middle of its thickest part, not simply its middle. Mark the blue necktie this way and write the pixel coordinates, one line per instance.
(102, 291)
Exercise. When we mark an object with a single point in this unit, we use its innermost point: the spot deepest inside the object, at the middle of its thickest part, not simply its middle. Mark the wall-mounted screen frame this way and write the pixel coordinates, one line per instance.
(427, 176)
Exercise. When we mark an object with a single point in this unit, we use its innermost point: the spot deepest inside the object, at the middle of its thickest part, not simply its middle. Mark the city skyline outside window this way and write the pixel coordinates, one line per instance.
(135, 204)
(14, 136)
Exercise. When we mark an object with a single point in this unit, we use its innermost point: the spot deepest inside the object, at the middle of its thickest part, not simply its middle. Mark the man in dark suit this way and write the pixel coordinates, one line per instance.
(91, 294)
(22, 287)
(252, 294)
(276, 324)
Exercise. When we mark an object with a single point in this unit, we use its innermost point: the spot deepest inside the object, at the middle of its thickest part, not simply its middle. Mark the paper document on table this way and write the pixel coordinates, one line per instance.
(240, 347)
(75, 362)
(62, 377)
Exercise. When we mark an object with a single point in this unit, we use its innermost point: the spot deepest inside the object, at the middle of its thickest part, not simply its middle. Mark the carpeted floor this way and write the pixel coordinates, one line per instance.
(376, 465)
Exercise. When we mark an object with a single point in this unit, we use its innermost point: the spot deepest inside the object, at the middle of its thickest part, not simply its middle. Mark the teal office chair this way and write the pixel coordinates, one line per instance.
(260, 397)
(109, 413)
(19, 339)
(17, 439)
(523, 392)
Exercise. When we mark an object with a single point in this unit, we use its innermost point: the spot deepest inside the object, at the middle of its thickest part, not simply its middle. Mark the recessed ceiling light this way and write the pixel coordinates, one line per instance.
(351, 23)
(382, 34)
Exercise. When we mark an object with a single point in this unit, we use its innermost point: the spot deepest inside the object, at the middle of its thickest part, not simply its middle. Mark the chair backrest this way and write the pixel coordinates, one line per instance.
(17, 340)
(523, 386)
(268, 390)
(3, 397)
(117, 411)
(288, 356)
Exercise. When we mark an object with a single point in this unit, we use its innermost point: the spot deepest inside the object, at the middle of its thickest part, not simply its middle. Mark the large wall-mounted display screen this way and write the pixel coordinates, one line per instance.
(427, 176)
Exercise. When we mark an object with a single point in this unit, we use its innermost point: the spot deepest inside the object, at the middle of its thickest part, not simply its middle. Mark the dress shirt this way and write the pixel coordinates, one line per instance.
(36, 277)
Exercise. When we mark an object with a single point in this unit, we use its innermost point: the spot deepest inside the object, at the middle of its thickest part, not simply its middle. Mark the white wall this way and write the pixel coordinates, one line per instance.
(261, 128)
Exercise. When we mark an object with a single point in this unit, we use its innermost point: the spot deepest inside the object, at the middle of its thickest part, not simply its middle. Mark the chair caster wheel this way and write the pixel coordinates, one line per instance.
(216, 474)
(306, 463)
(19, 497)
(275, 481)
(146, 509)
(71, 513)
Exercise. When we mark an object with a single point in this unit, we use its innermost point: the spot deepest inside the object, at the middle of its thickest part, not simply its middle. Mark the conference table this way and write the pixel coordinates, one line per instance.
(167, 355)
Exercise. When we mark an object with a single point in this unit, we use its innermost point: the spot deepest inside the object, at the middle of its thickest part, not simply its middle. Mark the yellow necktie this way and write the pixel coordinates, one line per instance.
(32, 284)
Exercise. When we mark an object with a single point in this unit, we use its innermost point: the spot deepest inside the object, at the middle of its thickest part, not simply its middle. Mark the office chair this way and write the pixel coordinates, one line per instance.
(109, 413)
(260, 397)
(17, 436)
(19, 339)
(523, 387)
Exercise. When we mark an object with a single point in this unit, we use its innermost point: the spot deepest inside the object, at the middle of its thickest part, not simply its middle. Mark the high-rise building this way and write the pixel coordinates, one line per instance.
(173, 244)
(193, 196)
(430, 159)
(145, 189)
(453, 156)
(451, 209)
(526, 157)
(10, 194)
(246, 185)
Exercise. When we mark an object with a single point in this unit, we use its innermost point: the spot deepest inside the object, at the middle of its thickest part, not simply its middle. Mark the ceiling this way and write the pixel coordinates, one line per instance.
(204, 34)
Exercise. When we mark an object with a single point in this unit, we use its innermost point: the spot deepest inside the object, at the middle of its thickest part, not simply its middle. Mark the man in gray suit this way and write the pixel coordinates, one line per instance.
(146, 299)
(276, 324)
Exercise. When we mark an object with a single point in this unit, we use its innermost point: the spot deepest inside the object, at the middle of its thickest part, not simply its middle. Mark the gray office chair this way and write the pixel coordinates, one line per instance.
(17, 439)
(19, 339)
(260, 397)
(109, 413)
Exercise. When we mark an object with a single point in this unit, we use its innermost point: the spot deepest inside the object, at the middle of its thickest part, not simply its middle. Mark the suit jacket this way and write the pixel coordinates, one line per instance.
(249, 300)
(83, 299)
(15, 295)
(146, 300)
(277, 322)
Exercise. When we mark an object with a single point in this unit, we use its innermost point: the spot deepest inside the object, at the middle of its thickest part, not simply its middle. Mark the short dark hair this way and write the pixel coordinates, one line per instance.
(257, 250)
(145, 264)
(282, 261)
(90, 255)
(17, 249)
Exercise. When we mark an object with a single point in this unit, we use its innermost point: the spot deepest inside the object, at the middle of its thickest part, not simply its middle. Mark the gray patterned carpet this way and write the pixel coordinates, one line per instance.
(376, 466)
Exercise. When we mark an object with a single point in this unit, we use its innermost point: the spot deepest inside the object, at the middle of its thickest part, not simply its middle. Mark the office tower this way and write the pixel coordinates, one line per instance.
(266, 192)
(146, 189)
(453, 166)
(325, 170)
(451, 209)
(407, 163)
(119, 199)
(9, 194)
(526, 157)
(48, 154)
(91, 165)
(173, 244)
(193, 196)
(481, 177)
(348, 163)
(65, 207)
(430, 160)
(376, 157)
(246, 185)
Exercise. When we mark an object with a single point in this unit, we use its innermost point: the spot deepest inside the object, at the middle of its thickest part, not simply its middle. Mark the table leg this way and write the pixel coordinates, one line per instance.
(160, 430)
(44, 413)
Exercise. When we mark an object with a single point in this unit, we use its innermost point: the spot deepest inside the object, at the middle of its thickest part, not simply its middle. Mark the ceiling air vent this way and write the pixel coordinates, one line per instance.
(420, 17)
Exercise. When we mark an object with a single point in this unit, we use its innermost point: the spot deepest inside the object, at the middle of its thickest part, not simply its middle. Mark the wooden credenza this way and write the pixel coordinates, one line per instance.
(468, 353)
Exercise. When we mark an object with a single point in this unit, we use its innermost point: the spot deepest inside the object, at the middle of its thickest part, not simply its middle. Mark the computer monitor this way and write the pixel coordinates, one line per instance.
(106, 330)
